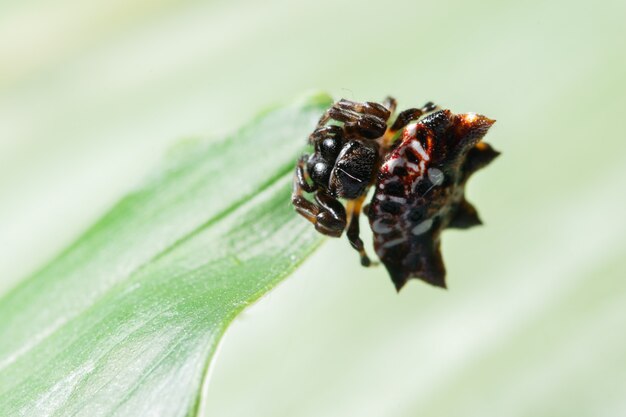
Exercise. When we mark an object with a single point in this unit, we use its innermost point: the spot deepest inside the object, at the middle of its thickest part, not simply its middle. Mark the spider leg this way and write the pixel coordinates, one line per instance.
(354, 210)
(407, 116)
(301, 178)
(366, 120)
(324, 132)
(369, 107)
(332, 217)
(350, 111)
(391, 104)
(404, 118)
(328, 215)
(366, 127)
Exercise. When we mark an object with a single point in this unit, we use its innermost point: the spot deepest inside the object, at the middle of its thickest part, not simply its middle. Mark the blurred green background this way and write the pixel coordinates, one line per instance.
(93, 93)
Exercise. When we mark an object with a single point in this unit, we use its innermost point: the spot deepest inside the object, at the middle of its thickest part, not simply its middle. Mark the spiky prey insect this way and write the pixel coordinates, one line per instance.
(419, 163)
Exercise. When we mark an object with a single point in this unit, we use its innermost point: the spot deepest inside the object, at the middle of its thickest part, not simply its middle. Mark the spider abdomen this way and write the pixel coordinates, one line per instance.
(420, 192)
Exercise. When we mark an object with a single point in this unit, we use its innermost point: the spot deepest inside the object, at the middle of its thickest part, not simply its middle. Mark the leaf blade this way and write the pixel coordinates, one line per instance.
(148, 298)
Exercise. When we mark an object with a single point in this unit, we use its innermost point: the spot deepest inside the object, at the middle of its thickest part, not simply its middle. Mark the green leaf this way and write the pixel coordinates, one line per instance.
(126, 321)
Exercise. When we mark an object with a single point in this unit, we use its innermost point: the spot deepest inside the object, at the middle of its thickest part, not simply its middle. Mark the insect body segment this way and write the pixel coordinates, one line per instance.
(419, 178)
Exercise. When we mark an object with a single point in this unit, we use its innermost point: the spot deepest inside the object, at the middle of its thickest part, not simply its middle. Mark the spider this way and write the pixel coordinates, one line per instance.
(419, 166)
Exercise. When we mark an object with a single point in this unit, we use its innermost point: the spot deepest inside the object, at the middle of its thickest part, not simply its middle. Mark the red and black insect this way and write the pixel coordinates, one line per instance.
(419, 162)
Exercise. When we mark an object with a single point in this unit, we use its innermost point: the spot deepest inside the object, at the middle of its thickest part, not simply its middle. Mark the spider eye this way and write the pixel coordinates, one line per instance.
(330, 148)
(320, 173)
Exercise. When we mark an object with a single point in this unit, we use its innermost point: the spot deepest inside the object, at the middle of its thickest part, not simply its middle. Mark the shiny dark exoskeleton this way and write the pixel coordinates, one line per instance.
(343, 167)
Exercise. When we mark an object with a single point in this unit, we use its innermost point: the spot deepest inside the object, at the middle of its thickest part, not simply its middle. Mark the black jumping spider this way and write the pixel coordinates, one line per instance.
(419, 169)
